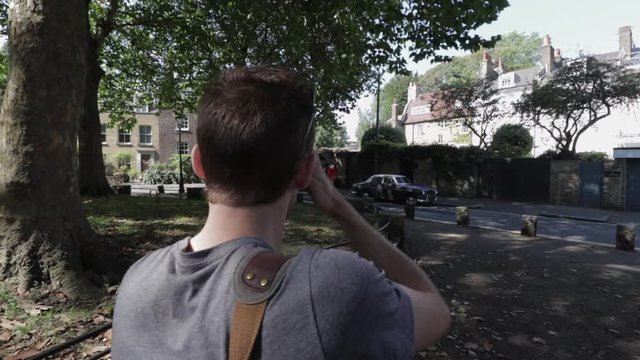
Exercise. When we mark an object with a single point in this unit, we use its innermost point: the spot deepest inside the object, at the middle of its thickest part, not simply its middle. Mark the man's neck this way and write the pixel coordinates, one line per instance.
(225, 223)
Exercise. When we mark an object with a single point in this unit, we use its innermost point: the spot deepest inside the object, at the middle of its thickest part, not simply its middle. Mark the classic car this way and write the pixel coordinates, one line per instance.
(396, 188)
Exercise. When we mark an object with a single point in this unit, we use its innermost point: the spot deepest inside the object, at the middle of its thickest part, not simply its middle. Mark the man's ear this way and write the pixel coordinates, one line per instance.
(196, 162)
(305, 171)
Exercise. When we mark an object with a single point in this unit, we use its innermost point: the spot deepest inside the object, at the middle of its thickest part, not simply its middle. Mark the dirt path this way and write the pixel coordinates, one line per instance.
(521, 299)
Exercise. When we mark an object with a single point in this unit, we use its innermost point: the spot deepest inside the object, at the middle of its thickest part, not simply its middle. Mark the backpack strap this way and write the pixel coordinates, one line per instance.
(257, 278)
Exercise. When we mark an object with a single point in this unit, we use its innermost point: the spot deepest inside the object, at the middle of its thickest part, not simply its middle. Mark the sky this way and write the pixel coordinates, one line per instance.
(573, 25)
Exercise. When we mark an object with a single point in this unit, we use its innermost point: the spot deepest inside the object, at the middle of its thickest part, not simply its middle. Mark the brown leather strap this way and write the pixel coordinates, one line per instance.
(256, 281)
(245, 325)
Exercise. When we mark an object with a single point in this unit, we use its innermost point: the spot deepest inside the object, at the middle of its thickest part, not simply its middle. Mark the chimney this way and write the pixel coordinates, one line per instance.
(557, 56)
(548, 58)
(499, 69)
(486, 68)
(412, 92)
(394, 113)
(626, 42)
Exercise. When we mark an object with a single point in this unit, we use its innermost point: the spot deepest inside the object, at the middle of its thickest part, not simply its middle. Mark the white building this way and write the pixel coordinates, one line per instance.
(425, 120)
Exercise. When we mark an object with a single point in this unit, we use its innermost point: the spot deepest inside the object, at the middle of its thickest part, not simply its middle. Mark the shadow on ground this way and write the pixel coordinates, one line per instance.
(514, 298)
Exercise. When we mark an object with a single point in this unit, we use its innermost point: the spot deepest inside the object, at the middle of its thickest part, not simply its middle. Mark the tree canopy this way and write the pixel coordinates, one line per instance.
(477, 104)
(387, 134)
(331, 137)
(580, 93)
(511, 141)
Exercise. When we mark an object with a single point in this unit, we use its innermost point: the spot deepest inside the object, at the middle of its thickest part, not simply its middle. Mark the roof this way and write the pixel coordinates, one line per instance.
(436, 106)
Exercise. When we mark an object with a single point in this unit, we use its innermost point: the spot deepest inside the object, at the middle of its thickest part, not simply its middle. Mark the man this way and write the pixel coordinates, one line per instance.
(255, 138)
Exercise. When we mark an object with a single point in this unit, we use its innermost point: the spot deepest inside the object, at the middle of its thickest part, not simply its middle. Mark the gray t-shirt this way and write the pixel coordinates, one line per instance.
(332, 304)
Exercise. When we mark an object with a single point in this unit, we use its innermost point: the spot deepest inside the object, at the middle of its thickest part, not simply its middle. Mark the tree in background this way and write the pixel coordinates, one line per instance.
(578, 95)
(476, 104)
(366, 120)
(331, 137)
(511, 141)
(387, 134)
(394, 90)
(41, 218)
(517, 50)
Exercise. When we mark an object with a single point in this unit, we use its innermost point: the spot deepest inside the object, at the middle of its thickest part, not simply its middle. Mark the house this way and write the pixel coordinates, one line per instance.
(156, 136)
(620, 130)
(427, 120)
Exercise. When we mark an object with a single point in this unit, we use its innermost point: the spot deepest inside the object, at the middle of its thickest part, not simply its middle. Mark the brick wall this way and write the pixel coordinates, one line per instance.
(134, 148)
(564, 187)
(169, 134)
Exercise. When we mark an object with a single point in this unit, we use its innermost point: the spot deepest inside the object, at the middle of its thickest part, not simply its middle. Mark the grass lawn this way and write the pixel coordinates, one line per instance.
(134, 226)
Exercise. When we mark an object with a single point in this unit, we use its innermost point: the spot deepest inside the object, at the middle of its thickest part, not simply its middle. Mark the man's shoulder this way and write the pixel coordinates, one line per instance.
(150, 262)
(342, 271)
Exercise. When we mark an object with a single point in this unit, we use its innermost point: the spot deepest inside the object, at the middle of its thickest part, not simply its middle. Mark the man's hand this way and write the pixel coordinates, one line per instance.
(324, 194)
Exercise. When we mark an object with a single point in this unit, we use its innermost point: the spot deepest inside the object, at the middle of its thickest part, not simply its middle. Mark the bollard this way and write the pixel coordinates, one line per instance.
(410, 208)
(529, 225)
(299, 198)
(462, 215)
(625, 237)
(160, 189)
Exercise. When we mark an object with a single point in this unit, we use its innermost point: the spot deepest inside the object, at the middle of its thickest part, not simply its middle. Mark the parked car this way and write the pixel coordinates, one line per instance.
(396, 188)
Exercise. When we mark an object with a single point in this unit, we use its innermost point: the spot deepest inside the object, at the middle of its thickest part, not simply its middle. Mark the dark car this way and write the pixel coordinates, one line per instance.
(396, 188)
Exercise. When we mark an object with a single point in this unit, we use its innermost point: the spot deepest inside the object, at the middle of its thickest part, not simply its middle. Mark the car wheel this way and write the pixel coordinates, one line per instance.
(366, 196)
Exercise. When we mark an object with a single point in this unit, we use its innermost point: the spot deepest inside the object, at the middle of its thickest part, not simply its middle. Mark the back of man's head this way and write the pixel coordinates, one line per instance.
(254, 127)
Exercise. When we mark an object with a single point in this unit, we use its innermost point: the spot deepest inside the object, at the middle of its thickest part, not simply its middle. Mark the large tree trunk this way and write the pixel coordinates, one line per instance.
(41, 218)
(91, 163)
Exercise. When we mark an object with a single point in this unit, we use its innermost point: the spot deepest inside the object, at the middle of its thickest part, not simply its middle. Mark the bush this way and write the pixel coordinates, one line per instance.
(109, 169)
(387, 135)
(169, 172)
(592, 156)
(512, 141)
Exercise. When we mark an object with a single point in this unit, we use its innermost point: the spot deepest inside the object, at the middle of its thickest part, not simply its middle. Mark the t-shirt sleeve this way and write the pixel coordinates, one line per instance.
(359, 312)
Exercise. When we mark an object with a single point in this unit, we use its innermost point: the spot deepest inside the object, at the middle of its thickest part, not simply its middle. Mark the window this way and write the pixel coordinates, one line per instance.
(182, 148)
(388, 180)
(420, 130)
(506, 83)
(376, 180)
(145, 134)
(124, 136)
(439, 138)
(419, 110)
(103, 133)
(182, 124)
(124, 163)
(402, 180)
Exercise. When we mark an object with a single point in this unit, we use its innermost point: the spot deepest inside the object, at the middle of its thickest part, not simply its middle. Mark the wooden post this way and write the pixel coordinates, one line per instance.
(160, 189)
(529, 225)
(410, 208)
(299, 198)
(625, 237)
(462, 215)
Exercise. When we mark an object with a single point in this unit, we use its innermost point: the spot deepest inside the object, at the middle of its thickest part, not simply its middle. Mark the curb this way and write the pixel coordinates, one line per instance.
(476, 206)
(602, 219)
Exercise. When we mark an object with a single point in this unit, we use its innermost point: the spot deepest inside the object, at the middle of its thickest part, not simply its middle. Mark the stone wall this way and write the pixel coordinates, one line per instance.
(613, 181)
(564, 187)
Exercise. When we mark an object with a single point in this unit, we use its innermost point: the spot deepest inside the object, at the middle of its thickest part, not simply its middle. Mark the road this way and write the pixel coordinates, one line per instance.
(574, 230)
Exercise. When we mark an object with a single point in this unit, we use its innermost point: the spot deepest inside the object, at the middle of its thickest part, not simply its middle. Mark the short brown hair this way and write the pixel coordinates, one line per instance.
(254, 127)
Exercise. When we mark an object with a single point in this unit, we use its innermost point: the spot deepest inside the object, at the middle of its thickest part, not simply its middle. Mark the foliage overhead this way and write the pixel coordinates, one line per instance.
(385, 134)
(512, 141)
(476, 104)
(165, 51)
(574, 98)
